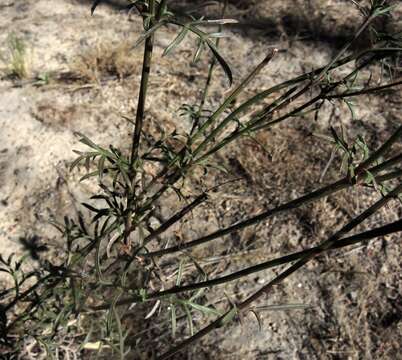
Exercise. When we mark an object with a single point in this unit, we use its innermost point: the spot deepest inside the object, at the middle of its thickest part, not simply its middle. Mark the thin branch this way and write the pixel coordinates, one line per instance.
(364, 91)
(381, 152)
(245, 106)
(229, 315)
(314, 251)
(146, 69)
(303, 200)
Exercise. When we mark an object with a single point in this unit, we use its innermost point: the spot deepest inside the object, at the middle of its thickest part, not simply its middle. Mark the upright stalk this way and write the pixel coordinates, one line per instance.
(146, 68)
(139, 121)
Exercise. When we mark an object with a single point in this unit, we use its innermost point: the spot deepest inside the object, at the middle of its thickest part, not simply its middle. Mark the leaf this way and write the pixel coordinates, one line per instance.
(230, 315)
(221, 60)
(153, 310)
(258, 319)
(176, 41)
(85, 140)
(99, 197)
(76, 162)
(94, 5)
(198, 52)
(351, 109)
(180, 272)
(98, 268)
(218, 35)
(101, 166)
(101, 213)
(382, 10)
(218, 167)
(148, 33)
(339, 140)
(173, 318)
(98, 345)
(90, 207)
(189, 319)
(204, 309)
(200, 269)
(91, 174)
(282, 307)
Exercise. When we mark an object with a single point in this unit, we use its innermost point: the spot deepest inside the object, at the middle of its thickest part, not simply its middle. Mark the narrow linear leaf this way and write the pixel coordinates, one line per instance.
(189, 319)
(173, 318)
(90, 207)
(148, 33)
(94, 6)
(204, 309)
(198, 52)
(222, 62)
(89, 175)
(176, 41)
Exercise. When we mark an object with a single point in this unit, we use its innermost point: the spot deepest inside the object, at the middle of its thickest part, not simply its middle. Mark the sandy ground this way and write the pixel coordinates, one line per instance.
(355, 298)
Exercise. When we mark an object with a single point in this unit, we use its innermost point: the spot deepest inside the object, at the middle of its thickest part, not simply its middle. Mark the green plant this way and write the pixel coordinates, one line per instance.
(15, 58)
(108, 265)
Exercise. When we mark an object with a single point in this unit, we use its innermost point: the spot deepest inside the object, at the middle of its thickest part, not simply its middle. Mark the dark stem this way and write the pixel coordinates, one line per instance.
(365, 91)
(146, 69)
(139, 120)
(243, 306)
(315, 195)
(257, 98)
(314, 251)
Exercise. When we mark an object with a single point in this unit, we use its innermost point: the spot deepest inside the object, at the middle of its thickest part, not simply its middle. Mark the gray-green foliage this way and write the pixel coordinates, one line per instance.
(89, 292)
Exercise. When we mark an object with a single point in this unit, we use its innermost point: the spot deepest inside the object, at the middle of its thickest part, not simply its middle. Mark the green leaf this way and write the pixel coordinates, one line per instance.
(173, 319)
(258, 319)
(148, 33)
(85, 140)
(221, 61)
(204, 309)
(282, 307)
(76, 162)
(89, 175)
(350, 105)
(176, 41)
(101, 213)
(180, 272)
(230, 315)
(198, 52)
(189, 319)
(101, 166)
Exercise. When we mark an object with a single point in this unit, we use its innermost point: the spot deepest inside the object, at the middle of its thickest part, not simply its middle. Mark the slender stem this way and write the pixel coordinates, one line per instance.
(165, 226)
(171, 221)
(175, 218)
(146, 69)
(230, 118)
(382, 151)
(362, 27)
(365, 91)
(139, 120)
(303, 200)
(327, 244)
(245, 106)
(382, 231)
(209, 77)
(252, 126)
(314, 251)
(243, 306)
(259, 121)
